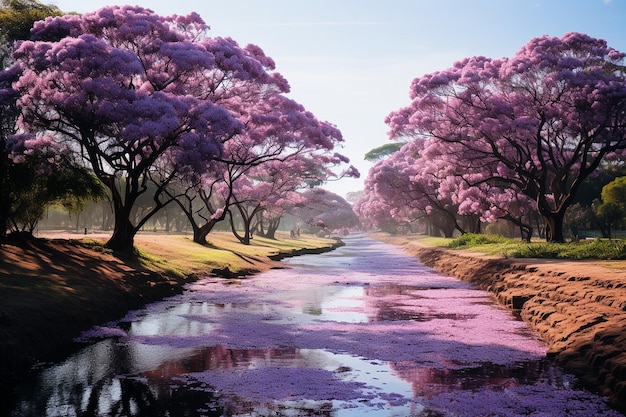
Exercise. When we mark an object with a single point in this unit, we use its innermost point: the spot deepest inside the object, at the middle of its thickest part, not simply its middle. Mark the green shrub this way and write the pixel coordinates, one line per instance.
(472, 240)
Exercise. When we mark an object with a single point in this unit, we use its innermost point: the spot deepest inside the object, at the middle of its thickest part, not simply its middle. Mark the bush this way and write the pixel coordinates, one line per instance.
(472, 239)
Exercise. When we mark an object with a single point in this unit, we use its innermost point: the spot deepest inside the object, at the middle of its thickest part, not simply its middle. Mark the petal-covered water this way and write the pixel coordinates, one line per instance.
(365, 330)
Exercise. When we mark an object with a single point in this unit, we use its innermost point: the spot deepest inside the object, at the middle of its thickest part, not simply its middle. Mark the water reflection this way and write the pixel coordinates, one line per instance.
(364, 330)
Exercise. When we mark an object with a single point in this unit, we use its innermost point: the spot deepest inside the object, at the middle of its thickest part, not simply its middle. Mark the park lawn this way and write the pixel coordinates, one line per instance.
(179, 254)
(610, 253)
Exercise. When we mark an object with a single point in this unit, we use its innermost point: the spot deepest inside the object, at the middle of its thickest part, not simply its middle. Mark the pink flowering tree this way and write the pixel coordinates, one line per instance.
(422, 181)
(42, 172)
(265, 186)
(246, 84)
(122, 87)
(279, 135)
(269, 220)
(375, 210)
(476, 201)
(410, 185)
(8, 115)
(539, 123)
(321, 208)
(272, 185)
(373, 213)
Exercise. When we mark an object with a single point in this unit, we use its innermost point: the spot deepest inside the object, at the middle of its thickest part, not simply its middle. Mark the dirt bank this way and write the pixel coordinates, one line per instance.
(578, 307)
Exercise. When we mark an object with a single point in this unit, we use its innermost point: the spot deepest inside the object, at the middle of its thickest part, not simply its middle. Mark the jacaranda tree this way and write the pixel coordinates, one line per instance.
(538, 123)
(8, 116)
(278, 133)
(26, 188)
(129, 90)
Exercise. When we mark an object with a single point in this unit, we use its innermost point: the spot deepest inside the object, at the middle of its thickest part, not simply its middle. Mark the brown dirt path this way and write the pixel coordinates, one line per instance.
(577, 307)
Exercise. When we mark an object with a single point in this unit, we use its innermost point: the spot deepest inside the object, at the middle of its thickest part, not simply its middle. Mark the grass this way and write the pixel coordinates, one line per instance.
(602, 249)
(597, 249)
(180, 255)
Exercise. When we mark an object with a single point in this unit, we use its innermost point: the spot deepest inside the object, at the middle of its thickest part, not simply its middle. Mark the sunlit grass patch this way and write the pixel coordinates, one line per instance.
(515, 248)
(180, 255)
(436, 241)
(592, 249)
(473, 240)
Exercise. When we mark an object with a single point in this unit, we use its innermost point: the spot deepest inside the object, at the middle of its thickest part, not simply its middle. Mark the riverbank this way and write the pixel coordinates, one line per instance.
(56, 286)
(577, 307)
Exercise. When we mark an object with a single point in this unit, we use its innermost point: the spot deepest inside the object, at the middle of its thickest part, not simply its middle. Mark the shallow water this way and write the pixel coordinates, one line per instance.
(365, 330)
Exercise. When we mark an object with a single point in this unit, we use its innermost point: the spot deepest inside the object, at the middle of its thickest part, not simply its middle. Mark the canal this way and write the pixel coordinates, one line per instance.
(364, 330)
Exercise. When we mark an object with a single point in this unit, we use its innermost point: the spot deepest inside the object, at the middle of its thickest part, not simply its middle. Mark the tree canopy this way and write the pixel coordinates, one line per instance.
(127, 88)
(537, 124)
(155, 106)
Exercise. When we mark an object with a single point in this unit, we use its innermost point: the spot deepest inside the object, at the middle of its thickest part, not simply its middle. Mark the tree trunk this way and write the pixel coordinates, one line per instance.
(197, 234)
(245, 239)
(247, 235)
(526, 232)
(200, 233)
(4, 223)
(554, 227)
(445, 223)
(472, 223)
(272, 227)
(123, 238)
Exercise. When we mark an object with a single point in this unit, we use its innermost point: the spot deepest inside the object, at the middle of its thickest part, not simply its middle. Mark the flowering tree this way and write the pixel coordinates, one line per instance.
(267, 186)
(410, 186)
(321, 208)
(540, 122)
(17, 181)
(422, 180)
(271, 187)
(123, 87)
(473, 199)
(280, 136)
(42, 173)
(8, 116)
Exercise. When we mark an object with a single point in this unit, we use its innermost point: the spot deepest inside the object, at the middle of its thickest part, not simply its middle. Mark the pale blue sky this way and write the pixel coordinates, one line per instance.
(351, 62)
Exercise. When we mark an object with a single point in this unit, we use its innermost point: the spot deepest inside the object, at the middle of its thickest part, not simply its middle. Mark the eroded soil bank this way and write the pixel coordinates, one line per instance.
(577, 307)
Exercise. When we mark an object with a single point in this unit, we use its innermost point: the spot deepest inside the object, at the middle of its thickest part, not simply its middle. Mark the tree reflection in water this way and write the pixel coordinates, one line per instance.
(99, 381)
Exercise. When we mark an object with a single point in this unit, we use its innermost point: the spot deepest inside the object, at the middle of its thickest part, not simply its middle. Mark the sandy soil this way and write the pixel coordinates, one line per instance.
(577, 307)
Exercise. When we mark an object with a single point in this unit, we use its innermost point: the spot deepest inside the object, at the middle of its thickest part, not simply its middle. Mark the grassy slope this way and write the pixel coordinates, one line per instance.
(179, 254)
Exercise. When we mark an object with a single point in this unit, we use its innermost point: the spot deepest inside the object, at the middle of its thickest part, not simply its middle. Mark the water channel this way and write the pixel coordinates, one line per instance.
(364, 330)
